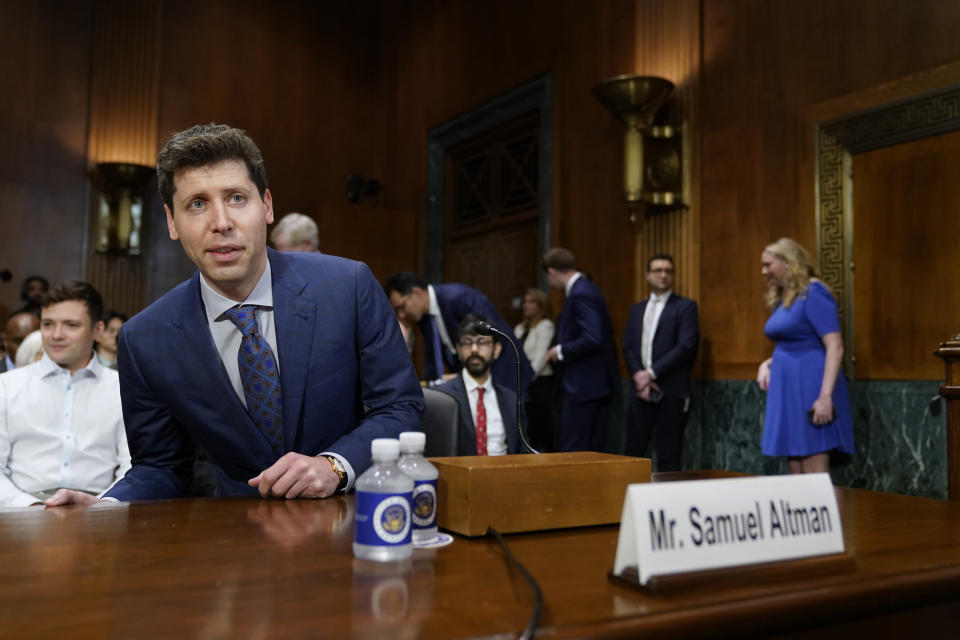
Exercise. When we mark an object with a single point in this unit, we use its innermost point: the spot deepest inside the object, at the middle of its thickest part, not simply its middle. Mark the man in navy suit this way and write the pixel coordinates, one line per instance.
(497, 411)
(659, 348)
(438, 309)
(320, 325)
(585, 353)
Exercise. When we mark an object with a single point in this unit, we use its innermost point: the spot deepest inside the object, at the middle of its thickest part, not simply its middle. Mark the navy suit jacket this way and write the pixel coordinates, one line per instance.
(675, 344)
(456, 301)
(506, 401)
(344, 371)
(585, 336)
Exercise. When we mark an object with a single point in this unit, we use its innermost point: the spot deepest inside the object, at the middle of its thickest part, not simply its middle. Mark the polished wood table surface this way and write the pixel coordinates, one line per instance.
(251, 568)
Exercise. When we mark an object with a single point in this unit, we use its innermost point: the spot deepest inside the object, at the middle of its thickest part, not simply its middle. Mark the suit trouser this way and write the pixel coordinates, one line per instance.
(665, 421)
(583, 424)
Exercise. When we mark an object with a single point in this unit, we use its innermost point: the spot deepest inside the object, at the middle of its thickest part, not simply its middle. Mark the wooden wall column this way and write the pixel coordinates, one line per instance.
(123, 127)
(667, 41)
(950, 352)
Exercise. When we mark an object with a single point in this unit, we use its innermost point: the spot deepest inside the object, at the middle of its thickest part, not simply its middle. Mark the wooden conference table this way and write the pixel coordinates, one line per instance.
(251, 568)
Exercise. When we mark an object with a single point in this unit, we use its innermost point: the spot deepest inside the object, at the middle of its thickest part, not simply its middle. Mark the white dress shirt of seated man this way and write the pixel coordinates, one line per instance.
(61, 423)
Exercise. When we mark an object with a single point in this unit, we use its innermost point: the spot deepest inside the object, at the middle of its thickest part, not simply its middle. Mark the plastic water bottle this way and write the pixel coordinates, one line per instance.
(382, 522)
(424, 475)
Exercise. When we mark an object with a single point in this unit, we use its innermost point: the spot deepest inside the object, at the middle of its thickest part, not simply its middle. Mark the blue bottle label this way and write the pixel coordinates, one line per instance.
(383, 519)
(424, 504)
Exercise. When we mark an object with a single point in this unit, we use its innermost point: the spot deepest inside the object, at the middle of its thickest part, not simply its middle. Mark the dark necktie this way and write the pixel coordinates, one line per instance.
(259, 376)
(481, 424)
(437, 347)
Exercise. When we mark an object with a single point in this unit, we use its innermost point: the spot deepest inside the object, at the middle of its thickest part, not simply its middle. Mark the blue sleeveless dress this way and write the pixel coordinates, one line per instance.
(795, 376)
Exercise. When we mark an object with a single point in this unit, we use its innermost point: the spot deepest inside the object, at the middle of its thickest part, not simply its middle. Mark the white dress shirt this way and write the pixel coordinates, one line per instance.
(441, 327)
(651, 320)
(496, 434)
(227, 337)
(59, 430)
(536, 345)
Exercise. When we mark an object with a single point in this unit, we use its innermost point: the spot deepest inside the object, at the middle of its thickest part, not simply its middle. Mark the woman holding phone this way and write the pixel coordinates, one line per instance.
(808, 410)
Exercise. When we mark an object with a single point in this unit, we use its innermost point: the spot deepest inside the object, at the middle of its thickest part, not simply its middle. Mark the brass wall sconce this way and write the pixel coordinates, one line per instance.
(653, 151)
(120, 207)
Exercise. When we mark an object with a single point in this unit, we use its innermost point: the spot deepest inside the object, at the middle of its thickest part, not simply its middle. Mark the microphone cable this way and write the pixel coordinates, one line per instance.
(537, 594)
(484, 328)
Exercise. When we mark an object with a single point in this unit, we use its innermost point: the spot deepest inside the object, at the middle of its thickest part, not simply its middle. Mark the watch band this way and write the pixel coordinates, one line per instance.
(337, 467)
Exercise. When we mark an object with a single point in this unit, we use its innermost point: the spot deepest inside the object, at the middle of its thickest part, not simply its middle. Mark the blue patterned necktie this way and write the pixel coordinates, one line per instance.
(259, 376)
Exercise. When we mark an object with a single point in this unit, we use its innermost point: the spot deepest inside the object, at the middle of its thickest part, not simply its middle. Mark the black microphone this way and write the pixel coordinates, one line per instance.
(484, 328)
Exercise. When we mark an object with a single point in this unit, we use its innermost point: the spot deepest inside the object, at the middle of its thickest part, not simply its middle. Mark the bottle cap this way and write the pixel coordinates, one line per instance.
(412, 441)
(384, 448)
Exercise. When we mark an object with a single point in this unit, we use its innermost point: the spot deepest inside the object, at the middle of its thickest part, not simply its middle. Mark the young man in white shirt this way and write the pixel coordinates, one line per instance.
(61, 424)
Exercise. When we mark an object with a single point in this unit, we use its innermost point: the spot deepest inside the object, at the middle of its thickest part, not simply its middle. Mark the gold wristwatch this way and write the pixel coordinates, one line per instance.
(338, 468)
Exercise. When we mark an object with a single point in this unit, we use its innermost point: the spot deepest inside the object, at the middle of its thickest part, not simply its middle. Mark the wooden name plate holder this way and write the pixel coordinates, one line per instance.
(534, 492)
(763, 573)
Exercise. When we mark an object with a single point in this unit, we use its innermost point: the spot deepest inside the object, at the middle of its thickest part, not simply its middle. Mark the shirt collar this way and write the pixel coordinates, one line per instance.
(215, 304)
(434, 309)
(46, 366)
(663, 297)
(472, 384)
(572, 279)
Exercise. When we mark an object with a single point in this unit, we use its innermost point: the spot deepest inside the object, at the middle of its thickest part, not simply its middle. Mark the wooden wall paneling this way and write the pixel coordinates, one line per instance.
(123, 126)
(385, 239)
(45, 65)
(765, 65)
(668, 45)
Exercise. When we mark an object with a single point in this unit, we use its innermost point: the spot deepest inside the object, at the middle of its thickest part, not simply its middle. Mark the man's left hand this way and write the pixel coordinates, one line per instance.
(65, 497)
(297, 476)
(552, 354)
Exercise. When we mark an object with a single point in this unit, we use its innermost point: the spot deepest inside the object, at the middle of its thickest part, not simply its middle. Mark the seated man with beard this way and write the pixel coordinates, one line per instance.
(488, 411)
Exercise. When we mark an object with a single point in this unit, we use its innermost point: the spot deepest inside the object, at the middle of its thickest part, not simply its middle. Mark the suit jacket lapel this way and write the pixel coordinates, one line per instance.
(201, 365)
(468, 434)
(295, 318)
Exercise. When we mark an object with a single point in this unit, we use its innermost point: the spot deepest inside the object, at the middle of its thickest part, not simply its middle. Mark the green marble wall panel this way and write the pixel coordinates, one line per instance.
(900, 434)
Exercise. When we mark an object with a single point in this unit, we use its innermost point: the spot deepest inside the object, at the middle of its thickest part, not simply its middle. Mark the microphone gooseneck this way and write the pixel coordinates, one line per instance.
(484, 328)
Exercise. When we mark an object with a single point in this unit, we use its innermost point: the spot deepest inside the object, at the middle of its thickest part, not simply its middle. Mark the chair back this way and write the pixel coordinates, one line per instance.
(441, 424)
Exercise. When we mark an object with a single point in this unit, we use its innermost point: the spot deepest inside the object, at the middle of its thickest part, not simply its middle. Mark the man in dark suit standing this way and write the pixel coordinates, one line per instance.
(438, 309)
(659, 348)
(585, 353)
(283, 367)
(488, 411)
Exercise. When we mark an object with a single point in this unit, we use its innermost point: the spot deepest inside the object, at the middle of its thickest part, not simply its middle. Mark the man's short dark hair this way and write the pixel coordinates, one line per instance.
(659, 256)
(25, 286)
(468, 326)
(203, 145)
(560, 259)
(110, 314)
(76, 290)
(402, 282)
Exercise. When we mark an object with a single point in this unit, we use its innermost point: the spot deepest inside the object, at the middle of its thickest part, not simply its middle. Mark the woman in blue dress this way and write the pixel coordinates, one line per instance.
(808, 411)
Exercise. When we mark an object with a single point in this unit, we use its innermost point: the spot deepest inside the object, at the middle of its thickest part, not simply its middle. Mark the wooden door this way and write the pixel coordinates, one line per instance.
(492, 211)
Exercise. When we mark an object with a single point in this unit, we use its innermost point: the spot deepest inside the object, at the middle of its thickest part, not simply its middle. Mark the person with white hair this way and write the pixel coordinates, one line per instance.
(31, 349)
(296, 232)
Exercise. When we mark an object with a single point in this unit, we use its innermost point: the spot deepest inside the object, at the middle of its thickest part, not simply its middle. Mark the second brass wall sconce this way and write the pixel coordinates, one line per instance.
(653, 149)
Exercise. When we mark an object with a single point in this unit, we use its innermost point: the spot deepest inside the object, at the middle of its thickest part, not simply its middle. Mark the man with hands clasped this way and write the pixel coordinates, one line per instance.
(659, 347)
(283, 367)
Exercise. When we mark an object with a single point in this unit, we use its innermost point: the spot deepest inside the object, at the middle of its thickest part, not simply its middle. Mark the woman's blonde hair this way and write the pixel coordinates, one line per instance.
(800, 271)
(541, 299)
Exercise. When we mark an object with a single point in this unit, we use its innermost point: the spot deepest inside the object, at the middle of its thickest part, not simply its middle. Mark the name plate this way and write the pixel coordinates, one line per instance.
(678, 527)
